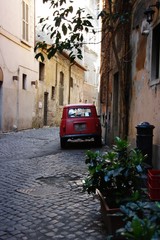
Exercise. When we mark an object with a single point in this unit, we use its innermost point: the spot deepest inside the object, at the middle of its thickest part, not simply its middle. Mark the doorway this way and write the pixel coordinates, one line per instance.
(45, 108)
(1, 105)
(115, 117)
(1, 83)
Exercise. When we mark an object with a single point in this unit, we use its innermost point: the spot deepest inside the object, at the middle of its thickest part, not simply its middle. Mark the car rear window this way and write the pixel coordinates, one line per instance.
(79, 112)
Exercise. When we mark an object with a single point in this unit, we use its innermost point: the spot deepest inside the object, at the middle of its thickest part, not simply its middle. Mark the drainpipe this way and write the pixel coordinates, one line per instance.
(69, 94)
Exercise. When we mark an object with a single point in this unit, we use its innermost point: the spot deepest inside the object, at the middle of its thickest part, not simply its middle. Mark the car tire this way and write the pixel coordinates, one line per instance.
(98, 141)
(63, 143)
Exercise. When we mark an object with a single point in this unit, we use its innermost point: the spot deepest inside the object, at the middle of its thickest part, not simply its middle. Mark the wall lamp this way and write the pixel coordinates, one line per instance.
(150, 12)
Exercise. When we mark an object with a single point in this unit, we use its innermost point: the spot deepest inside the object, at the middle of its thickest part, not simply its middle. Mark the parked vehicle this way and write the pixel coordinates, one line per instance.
(80, 121)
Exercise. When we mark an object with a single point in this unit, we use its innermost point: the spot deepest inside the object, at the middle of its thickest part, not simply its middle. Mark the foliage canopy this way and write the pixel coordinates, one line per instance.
(66, 28)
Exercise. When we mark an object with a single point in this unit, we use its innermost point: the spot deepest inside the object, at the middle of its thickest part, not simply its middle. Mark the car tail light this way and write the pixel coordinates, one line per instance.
(98, 125)
(63, 129)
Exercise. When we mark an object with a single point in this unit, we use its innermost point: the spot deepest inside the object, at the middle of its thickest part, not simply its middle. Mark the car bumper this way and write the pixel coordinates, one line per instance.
(81, 136)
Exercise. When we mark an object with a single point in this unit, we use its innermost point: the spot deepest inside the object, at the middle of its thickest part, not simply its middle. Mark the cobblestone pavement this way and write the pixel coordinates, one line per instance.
(41, 194)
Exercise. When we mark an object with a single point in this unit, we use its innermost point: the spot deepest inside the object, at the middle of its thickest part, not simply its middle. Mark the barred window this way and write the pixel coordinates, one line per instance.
(53, 92)
(41, 71)
(61, 89)
(24, 81)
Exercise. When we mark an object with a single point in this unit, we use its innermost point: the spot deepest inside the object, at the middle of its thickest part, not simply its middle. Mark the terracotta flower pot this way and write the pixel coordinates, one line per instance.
(111, 216)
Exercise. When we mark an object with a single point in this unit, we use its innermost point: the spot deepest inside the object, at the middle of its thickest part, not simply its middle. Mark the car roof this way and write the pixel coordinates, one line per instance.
(80, 105)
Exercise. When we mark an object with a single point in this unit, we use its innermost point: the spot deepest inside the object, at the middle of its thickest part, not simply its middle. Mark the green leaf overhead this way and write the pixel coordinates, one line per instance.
(66, 28)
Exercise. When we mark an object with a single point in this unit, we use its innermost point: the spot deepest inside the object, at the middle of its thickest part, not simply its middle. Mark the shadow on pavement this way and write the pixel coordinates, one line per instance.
(80, 145)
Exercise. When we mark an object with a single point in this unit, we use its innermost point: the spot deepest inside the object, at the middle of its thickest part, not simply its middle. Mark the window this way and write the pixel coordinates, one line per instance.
(155, 65)
(41, 71)
(24, 81)
(61, 79)
(79, 112)
(61, 88)
(25, 23)
(53, 92)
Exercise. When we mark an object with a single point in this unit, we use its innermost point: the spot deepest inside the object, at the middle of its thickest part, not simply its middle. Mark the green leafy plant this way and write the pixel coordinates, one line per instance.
(66, 28)
(116, 174)
(142, 221)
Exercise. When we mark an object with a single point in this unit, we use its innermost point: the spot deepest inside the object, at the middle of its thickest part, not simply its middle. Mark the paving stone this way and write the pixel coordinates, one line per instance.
(41, 190)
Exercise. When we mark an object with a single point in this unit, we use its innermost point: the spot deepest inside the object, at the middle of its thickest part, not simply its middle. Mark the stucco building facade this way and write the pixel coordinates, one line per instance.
(60, 83)
(81, 79)
(18, 66)
(130, 92)
(145, 74)
(33, 93)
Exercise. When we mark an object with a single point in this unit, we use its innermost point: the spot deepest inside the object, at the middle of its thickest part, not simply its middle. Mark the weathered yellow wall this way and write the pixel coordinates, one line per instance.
(53, 68)
(145, 99)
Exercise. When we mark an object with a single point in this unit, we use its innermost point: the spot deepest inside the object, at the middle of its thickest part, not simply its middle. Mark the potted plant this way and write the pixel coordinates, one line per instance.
(116, 177)
(142, 221)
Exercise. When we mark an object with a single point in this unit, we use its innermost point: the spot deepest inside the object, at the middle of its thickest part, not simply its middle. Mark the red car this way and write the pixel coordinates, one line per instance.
(80, 121)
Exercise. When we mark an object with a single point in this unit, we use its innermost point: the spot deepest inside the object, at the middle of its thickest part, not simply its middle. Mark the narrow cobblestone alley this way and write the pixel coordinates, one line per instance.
(41, 190)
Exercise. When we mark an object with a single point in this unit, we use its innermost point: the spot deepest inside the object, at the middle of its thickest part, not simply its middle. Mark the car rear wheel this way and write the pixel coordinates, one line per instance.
(98, 141)
(63, 142)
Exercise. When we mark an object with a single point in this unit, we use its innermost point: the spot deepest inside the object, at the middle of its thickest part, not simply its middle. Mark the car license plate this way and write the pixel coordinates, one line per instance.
(80, 127)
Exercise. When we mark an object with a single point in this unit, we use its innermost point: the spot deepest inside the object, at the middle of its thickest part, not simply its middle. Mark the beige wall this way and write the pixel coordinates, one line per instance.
(16, 58)
(53, 68)
(19, 108)
(90, 59)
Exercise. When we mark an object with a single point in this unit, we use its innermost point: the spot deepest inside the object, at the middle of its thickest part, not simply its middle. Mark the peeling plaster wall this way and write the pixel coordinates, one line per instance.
(145, 99)
(145, 107)
(90, 94)
(53, 67)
